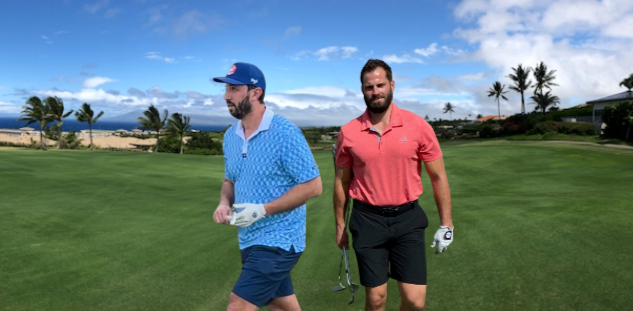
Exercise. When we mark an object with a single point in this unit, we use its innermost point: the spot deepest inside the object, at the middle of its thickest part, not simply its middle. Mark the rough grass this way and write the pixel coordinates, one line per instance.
(539, 226)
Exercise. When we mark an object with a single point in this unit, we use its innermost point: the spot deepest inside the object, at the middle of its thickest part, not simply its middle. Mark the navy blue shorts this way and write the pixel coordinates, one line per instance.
(265, 274)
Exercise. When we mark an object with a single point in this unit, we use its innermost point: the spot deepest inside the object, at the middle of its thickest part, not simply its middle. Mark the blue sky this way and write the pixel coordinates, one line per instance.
(121, 56)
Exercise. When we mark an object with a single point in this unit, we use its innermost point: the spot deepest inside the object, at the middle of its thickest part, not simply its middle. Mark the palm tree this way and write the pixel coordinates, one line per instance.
(628, 83)
(543, 101)
(152, 120)
(448, 107)
(178, 126)
(56, 113)
(497, 91)
(36, 111)
(544, 79)
(85, 114)
(522, 82)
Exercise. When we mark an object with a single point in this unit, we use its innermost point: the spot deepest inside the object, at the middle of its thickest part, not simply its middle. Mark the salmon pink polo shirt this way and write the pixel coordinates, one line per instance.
(386, 168)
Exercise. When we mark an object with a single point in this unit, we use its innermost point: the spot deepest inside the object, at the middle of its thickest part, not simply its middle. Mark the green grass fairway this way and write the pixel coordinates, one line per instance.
(539, 226)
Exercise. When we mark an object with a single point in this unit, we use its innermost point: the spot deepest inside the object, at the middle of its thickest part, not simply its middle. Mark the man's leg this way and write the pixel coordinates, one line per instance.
(265, 271)
(408, 258)
(413, 296)
(370, 235)
(237, 304)
(287, 303)
(376, 298)
(285, 298)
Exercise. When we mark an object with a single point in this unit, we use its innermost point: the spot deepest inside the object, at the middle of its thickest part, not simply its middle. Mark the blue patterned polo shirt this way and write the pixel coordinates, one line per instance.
(274, 159)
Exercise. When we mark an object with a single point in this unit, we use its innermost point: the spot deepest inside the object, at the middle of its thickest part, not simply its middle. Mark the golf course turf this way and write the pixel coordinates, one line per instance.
(538, 226)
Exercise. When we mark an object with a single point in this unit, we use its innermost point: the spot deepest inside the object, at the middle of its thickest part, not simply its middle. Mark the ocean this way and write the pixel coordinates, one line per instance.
(72, 124)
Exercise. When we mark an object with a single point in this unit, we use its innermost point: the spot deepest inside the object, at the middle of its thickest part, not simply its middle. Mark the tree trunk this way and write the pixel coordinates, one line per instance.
(59, 137)
(42, 144)
(628, 130)
(90, 129)
(181, 144)
(157, 138)
(522, 104)
(499, 109)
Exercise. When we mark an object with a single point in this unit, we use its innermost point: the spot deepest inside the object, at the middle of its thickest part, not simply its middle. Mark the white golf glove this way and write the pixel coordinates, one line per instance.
(443, 237)
(249, 214)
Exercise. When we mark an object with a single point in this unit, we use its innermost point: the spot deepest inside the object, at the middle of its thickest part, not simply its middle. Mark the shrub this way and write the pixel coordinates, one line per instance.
(204, 152)
(168, 144)
(571, 128)
(203, 141)
(618, 119)
(511, 128)
(490, 130)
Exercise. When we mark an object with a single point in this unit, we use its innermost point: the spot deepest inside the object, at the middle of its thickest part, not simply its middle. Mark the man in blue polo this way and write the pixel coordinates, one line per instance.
(270, 173)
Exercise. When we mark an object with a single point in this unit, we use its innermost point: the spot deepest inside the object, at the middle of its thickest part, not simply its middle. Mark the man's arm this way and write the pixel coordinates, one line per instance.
(295, 197)
(441, 190)
(227, 198)
(342, 182)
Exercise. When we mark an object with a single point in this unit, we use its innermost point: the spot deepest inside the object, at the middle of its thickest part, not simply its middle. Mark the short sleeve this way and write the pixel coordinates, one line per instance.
(227, 171)
(297, 158)
(429, 149)
(342, 158)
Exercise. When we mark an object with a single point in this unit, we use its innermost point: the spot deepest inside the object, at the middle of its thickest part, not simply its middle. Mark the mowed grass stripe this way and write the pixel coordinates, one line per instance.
(539, 226)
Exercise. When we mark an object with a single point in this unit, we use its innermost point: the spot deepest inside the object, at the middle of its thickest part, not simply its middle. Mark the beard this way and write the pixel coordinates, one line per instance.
(242, 109)
(377, 107)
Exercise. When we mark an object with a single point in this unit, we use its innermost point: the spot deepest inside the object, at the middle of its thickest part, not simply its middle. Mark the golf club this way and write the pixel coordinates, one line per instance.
(353, 287)
(340, 286)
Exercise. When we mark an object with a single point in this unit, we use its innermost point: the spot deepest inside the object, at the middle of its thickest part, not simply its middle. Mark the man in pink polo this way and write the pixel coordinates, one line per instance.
(378, 163)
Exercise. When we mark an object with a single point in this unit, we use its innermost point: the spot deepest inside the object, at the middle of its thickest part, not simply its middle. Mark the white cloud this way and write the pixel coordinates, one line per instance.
(61, 32)
(325, 53)
(406, 58)
(110, 13)
(426, 52)
(157, 56)
(194, 22)
(433, 49)
(49, 41)
(96, 81)
(95, 7)
(328, 53)
(347, 51)
(471, 76)
(9, 107)
(292, 31)
(98, 95)
(586, 41)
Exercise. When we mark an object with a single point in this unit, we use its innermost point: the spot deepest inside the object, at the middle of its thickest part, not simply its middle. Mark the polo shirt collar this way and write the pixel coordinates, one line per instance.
(267, 119)
(394, 120)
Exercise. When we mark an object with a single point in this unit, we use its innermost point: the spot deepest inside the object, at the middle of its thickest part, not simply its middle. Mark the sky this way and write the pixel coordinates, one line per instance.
(122, 56)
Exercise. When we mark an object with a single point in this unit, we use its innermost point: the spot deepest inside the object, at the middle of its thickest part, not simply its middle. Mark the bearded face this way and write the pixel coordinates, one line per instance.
(241, 109)
(378, 103)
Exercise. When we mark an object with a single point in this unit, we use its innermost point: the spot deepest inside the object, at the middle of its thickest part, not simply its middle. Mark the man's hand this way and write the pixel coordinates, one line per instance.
(250, 213)
(443, 237)
(222, 214)
(342, 239)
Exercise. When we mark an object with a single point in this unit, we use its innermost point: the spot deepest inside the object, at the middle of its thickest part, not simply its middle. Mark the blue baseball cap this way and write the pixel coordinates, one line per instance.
(244, 74)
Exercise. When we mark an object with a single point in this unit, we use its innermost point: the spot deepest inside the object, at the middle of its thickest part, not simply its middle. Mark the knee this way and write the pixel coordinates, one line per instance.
(236, 303)
(377, 300)
(417, 305)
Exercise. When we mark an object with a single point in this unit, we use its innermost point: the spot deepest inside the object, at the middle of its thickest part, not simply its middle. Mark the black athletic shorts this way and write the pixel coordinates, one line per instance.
(389, 242)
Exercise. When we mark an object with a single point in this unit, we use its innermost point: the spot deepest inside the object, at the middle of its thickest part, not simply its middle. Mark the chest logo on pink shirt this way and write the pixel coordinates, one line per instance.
(404, 140)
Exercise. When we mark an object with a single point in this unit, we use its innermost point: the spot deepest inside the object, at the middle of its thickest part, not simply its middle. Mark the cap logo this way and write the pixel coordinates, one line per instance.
(232, 70)
(254, 81)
